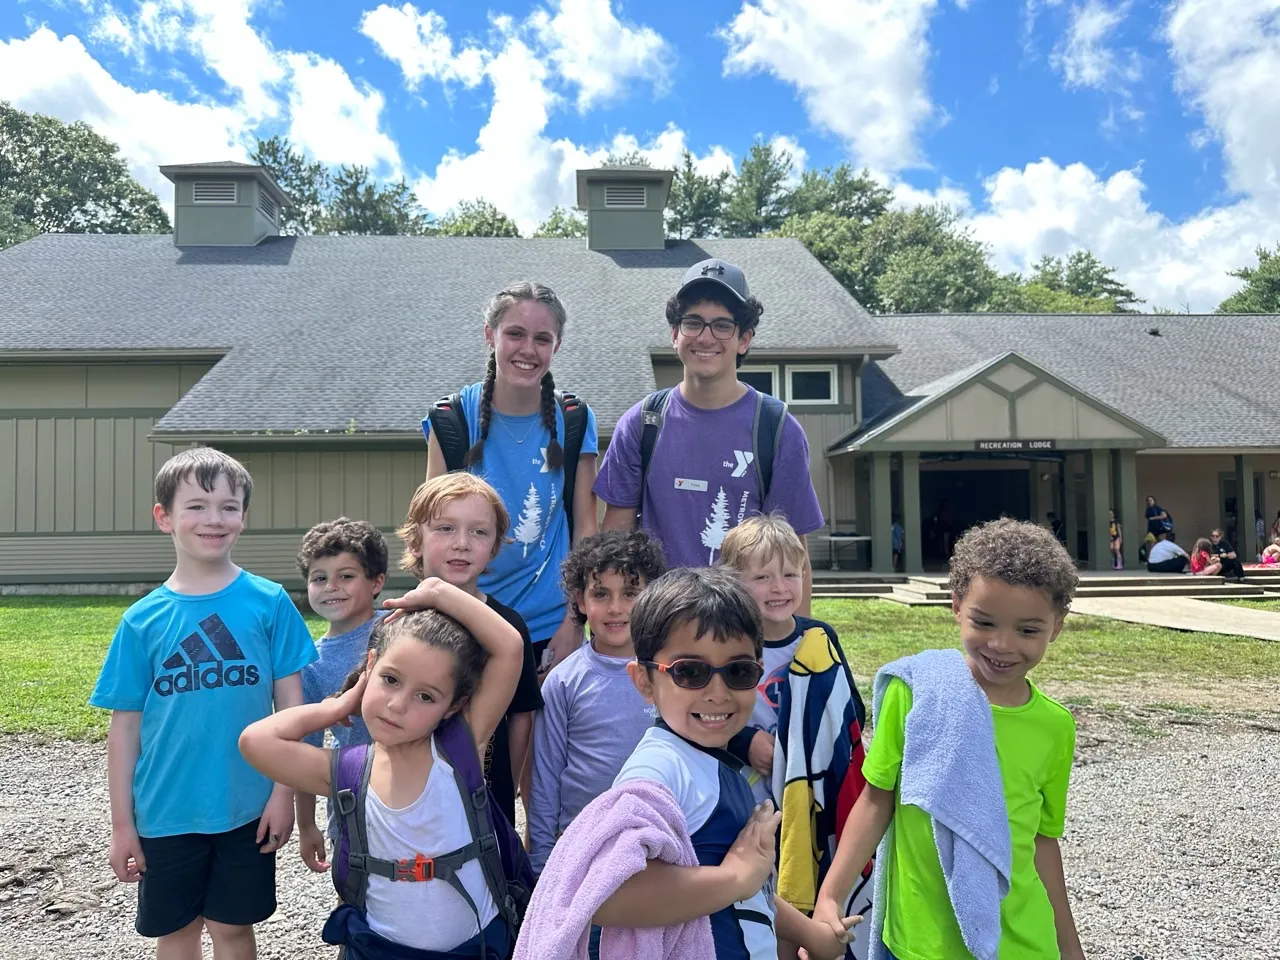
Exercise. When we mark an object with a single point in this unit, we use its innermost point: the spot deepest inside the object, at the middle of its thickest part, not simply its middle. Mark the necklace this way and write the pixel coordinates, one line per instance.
(503, 423)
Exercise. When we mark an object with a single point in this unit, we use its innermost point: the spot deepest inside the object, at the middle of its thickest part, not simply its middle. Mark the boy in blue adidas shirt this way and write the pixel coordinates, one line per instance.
(344, 564)
(698, 639)
(211, 650)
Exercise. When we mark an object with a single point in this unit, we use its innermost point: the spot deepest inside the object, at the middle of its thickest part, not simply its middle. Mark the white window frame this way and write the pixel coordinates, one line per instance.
(235, 192)
(832, 369)
(770, 368)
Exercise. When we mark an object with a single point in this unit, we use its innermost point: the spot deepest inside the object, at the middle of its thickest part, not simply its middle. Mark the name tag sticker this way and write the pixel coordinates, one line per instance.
(685, 484)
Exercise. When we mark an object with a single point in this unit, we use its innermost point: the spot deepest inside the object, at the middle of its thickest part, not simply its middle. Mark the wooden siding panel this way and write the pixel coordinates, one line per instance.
(146, 463)
(284, 492)
(45, 466)
(104, 473)
(8, 475)
(86, 470)
(307, 489)
(64, 477)
(25, 496)
(355, 485)
(332, 486)
(123, 493)
(42, 387)
(378, 484)
(132, 385)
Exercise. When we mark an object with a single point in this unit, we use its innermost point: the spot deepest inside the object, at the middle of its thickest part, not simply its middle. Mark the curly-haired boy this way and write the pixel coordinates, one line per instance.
(970, 756)
(592, 715)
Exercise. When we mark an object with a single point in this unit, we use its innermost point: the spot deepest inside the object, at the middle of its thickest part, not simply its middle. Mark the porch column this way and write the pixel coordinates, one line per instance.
(1069, 519)
(880, 520)
(1033, 493)
(1246, 536)
(1099, 500)
(912, 558)
(1130, 510)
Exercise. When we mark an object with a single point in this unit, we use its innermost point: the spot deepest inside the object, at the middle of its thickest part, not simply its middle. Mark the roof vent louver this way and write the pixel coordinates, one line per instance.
(213, 191)
(267, 206)
(625, 195)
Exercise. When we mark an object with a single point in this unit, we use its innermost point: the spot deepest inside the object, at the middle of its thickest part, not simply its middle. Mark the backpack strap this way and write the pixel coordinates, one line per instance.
(770, 418)
(575, 430)
(349, 769)
(449, 424)
(655, 408)
(458, 744)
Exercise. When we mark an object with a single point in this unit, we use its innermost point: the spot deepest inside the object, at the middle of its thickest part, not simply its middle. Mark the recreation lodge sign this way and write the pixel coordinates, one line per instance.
(997, 446)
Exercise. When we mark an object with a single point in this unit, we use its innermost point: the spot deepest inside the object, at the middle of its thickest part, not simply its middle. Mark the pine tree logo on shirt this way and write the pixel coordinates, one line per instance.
(529, 527)
(205, 662)
(717, 525)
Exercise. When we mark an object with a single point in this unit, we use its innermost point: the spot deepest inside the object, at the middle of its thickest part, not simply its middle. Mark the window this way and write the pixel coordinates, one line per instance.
(630, 195)
(267, 206)
(763, 378)
(811, 383)
(213, 191)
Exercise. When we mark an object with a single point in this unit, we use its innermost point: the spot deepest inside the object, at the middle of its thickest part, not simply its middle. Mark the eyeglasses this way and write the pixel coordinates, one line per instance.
(721, 328)
(696, 674)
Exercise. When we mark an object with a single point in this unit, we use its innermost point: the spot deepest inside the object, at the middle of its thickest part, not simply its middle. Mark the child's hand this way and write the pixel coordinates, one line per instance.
(125, 855)
(760, 753)
(347, 705)
(828, 932)
(421, 597)
(311, 846)
(751, 857)
(276, 823)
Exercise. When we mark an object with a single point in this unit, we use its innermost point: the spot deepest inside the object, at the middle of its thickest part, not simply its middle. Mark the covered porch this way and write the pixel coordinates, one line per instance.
(1001, 438)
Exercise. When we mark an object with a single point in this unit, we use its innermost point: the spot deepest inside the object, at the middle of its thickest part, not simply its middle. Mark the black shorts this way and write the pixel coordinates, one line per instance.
(223, 877)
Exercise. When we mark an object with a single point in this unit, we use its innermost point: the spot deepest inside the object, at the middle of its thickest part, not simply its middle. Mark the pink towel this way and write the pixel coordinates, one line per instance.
(609, 841)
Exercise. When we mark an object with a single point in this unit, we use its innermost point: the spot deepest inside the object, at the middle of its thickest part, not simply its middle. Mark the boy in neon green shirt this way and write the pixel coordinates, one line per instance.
(1011, 586)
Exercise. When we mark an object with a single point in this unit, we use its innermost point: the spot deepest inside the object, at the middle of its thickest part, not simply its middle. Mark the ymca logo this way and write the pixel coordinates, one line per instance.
(744, 458)
(198, 666)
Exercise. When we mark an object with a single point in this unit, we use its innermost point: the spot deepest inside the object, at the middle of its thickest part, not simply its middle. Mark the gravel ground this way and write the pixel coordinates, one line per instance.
(1173, 850)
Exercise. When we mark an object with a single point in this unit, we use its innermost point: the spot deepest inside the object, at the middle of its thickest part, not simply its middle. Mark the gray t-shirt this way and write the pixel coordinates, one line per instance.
(591, 719)
(323, 678)
(702, 481)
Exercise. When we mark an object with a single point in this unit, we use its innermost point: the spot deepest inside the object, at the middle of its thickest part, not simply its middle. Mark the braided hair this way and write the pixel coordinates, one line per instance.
(523, 292)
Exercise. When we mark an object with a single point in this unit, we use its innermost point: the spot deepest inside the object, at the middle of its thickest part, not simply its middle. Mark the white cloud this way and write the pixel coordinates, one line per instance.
(859, 66)
(1045, 208)
(597, 52)
(1227, 58)
(1086, 57)
(336, 121)
(58, 76)
(420, 45)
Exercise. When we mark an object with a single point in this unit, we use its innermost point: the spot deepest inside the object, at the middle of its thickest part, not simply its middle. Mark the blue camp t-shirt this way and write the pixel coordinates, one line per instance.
(526, 573)
(201, 669)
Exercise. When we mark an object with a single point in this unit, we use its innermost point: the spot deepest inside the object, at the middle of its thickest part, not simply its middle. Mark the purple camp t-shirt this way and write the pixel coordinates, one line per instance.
(701, 480)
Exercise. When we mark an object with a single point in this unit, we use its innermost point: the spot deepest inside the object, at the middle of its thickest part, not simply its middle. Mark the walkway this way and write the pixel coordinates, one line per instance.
(1184, 613)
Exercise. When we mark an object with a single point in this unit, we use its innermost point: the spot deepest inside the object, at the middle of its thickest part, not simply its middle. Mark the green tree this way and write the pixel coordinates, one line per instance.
(1261, 290)
(1012, 294)
(944, 272)
(13, 230)
(695, 206)
(835, 242)
(855, 196)
(629, 158)
(60, 177)
(309, 185)
(758, 198)
(564, 224)
(1084, 277)
(476, 218)
(347, 202)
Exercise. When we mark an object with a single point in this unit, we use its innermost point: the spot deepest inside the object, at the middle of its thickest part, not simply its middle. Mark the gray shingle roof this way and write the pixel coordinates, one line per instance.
(321, 330)
(1205, 381)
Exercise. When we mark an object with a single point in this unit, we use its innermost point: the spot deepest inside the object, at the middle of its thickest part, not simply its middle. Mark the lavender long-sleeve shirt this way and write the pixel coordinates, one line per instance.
(592, 718)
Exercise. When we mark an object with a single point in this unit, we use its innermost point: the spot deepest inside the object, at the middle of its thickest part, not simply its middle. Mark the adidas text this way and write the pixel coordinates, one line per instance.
(207, 676)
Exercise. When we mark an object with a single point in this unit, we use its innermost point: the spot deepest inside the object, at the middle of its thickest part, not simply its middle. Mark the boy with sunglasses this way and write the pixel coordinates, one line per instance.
(698, 639)
(702, 479)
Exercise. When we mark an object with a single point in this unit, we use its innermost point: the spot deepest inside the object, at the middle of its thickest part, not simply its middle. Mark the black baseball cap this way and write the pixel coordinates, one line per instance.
(719, 272)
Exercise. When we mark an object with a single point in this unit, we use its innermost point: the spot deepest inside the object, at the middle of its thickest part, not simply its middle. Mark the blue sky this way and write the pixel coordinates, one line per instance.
(1144, 131)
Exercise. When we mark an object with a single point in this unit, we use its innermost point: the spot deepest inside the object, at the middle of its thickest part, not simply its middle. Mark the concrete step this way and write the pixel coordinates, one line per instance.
(850, 589)
(1223, 592)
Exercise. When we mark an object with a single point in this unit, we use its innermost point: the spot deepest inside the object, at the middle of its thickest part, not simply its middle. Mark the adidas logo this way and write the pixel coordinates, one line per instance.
(197, 666)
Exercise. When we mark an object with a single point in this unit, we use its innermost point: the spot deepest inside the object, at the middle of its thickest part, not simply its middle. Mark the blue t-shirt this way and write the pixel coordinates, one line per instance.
(201, 669)
(526, 573)
(716, 802)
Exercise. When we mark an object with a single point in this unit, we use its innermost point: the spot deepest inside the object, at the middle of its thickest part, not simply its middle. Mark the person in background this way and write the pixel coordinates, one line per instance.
(1232, 568)
(1157, 517)
(1204, 563)
(1165, 556)
(1117, 540)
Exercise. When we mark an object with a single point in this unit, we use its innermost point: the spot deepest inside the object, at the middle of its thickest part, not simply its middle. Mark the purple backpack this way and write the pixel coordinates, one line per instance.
(507, 871)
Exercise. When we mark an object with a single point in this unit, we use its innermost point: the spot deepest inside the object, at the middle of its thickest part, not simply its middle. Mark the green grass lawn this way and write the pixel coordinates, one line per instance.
(1271, 605)
(52, 648)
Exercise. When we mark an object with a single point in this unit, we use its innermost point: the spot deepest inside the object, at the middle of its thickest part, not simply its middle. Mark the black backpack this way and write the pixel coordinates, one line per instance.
(449, 425)
(770, 418)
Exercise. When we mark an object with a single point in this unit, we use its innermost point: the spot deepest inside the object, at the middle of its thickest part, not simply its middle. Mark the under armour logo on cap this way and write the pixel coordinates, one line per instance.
(714, 270)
